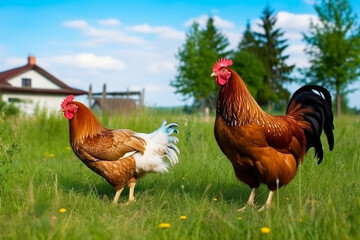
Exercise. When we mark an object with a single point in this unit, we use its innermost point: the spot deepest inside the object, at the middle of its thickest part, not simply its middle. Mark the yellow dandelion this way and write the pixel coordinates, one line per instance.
(239, 218)
(183, 217)
(265, 230)
(215, 199)
(68, 148)
(52, 155)
(287, 199)
(164, 225)
(62, 210)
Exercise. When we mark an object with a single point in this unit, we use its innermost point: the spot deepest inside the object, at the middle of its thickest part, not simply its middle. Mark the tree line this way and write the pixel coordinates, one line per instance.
(332, 45)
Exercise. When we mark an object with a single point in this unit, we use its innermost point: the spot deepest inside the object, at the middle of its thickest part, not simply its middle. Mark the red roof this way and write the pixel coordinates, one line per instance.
(7, 75)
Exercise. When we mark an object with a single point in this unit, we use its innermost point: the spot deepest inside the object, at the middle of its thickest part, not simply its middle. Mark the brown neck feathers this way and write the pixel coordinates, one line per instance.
(235, 103)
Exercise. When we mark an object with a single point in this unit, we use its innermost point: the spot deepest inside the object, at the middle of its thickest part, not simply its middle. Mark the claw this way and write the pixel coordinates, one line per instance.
(268, 202)
(250, 201)
(244, 207)
(130, 202)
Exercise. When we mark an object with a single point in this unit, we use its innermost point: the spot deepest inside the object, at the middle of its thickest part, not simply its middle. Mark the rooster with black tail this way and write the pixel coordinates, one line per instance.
(262, 148)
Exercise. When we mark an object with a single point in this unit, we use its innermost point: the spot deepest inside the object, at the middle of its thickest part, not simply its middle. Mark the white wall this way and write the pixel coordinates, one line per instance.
(37, 80)
(30, 101)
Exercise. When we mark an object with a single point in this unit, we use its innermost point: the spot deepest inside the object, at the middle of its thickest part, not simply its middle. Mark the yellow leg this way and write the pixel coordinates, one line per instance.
(117, 195)
(268, 202)
(131, 184)
(250, 201)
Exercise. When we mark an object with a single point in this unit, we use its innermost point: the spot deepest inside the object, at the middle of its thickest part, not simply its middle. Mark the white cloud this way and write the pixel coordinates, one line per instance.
(295, 24)
(162, 31)
(106, 36)
(113, 22)
(159, 67)
(148, 88)
(144, 52)
(78, 24)
(223, 23)
(102, 35)
(297, 55)
(292, 24)
(310, 2)
(150, 64)
(127, 35)
(234, 38)
(73, 81)
(89, 61)
(218, 22)
(15, 62)
(296, 49)
(226, 27)
(295, 21)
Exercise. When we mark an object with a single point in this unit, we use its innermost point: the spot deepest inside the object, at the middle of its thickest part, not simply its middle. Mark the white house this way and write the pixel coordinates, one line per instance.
(30, 86)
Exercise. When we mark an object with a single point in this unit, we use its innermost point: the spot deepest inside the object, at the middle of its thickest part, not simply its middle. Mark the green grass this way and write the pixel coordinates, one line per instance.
(39, 175)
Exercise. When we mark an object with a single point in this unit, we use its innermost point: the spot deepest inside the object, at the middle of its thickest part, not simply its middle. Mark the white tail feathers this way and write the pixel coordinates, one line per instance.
(158, 144)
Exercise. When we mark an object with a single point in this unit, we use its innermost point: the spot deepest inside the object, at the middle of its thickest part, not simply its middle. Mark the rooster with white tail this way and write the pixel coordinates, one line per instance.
(120, 156)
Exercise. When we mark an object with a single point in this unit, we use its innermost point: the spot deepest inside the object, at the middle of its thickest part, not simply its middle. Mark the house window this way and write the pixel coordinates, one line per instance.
(26, 82)
(14, 100)
(18, 100)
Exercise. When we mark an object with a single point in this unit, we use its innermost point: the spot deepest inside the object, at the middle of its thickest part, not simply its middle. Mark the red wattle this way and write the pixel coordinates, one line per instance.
(69, 115)
(220, 81)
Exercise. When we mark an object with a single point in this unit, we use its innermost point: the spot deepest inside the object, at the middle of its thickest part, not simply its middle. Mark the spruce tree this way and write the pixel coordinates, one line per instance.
(247, 63)
(200, 51)
(271, 51)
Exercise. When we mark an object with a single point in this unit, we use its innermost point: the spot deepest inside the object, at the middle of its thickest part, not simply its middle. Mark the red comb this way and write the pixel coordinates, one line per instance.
(222, 62)
(67, 100)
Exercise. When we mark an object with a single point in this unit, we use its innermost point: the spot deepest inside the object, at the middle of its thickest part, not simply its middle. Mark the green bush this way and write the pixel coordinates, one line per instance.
(9, 146)
(7, 110)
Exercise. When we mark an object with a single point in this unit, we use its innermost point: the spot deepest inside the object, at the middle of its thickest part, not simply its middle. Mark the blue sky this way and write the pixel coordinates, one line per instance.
(132, 44)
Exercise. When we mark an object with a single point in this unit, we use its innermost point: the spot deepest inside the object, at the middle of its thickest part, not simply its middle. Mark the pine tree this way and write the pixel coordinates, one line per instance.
(186, 81)
(217, 42)
(247, 63)
(271, 51)
(248, 41)
(200, 51)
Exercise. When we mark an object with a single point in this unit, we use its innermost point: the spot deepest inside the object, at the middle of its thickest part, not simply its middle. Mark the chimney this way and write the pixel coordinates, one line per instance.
(31, 60)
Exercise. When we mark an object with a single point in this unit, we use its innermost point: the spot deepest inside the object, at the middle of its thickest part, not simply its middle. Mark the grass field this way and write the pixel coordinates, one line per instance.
(47, 193)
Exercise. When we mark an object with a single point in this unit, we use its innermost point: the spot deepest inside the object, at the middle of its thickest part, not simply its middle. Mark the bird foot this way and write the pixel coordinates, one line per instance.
(267, 203)
(130, 201)
(265, 207)
(244, 207)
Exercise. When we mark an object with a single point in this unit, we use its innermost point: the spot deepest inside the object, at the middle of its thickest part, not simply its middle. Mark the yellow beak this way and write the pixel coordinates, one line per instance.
(213, 74)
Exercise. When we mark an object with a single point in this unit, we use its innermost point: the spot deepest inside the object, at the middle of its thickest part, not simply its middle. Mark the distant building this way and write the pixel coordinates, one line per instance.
(116, 102)
(30, 86)
(114, 105)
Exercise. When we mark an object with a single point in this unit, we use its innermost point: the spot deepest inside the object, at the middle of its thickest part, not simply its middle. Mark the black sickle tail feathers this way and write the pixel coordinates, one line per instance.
(317, 101)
